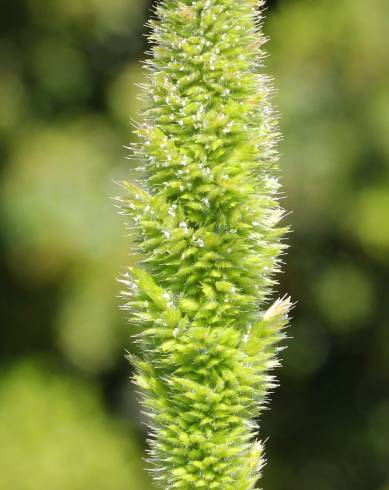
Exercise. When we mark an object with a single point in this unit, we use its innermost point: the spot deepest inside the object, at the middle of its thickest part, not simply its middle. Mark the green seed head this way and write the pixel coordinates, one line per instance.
(205, 214)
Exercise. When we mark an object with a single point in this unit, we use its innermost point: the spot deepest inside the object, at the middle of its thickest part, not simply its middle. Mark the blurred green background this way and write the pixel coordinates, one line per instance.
(69, 418)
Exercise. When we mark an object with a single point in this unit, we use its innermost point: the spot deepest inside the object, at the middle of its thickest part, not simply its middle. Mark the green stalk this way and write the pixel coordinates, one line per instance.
(206, 215)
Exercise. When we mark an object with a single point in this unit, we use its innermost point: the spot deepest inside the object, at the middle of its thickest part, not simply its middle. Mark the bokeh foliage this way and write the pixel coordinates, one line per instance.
(67, 98)
(55, 435)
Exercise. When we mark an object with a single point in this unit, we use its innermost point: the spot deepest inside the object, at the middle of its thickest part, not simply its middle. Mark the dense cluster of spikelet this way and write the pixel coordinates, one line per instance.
(205, 215)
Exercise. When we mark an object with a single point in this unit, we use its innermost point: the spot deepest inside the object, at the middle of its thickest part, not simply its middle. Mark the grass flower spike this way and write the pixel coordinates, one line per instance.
(205, 214)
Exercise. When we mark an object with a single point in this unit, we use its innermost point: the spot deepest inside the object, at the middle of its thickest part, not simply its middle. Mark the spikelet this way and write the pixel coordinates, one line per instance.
(205, 215)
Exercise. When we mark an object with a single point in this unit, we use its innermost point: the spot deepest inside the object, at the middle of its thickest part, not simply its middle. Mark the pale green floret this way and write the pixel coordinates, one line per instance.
(206, 220)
